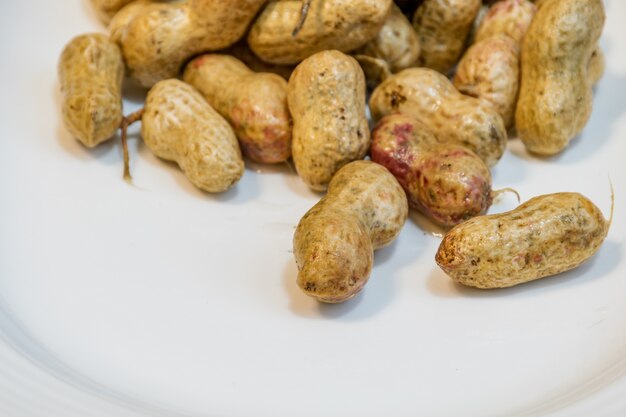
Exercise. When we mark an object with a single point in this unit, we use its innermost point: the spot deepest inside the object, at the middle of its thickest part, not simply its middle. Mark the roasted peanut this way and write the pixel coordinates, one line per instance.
(453, 117)
(327, 103)
(334, 243)
(255, 104)
(544, 236)
(179, 125)
(91, 72)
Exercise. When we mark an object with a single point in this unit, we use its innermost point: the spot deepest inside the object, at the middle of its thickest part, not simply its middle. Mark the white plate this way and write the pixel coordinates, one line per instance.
(158, 300)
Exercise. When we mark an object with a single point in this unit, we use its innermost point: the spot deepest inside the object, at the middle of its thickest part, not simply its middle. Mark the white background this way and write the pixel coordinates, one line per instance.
(157, 299)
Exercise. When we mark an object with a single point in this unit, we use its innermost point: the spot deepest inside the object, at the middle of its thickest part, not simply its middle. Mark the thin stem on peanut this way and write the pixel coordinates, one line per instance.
(304, 11)
(497, 193)
(126, 122)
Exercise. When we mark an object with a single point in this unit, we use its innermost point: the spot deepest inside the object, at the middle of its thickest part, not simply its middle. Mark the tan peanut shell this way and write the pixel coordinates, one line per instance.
(482, 12)
(242, 52)
(396, 43)
(106, 9)
(453, 117)
(255, 104)
(447, 182)
(326, 98)
(343, 25)
(91, 72)
(442, 27)
(179, 125)
(555, 98)
(489, 70)
(596, 66)
(364, 209)
(507, 17)
(544, 236)
(157, 38)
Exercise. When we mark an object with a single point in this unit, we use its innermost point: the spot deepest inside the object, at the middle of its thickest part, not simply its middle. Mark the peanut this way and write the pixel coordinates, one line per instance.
(91, 72)
(453, 117)
(544, 236)
(179, 125)
(255, 104)
(555, 99)
(489, 70)
(343, 25)
(156, 38)
(326, 98)
(442, 27)
(334, 243)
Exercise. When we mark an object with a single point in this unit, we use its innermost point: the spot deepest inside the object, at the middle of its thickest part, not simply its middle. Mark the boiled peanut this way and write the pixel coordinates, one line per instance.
(489, 70)
(106, 9)
(255, 104)
(555, 97)
(179, 125)
(545, 236)
(242, 52)
(442, 27)
(507, 17)
(453, 117)
(156, 38)
(396, 44)
(91, 72)
(343, 25)
(334, 243)
(446, 182)
(327, 103)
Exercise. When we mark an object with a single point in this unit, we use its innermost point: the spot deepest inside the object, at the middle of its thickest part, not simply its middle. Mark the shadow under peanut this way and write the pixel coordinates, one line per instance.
(599, 266)
(244, 191)
(379, 292)
(608, 107)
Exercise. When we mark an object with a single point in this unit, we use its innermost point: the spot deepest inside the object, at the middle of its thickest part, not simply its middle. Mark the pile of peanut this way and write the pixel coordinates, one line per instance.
(271, 81)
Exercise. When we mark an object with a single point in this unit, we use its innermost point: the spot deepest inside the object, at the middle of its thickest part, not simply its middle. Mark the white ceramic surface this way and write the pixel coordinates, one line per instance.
(159, 300)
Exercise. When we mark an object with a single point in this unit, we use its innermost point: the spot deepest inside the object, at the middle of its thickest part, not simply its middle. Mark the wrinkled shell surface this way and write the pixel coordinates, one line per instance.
(446, 182)
(546, 235)
(453, 117)
(396, 42)
(157, 38)
(555, 98)
(255, 104)
(91, 72)
(343, 25)
(106, 9)
(489, 70)
(326, 98)
(334, 243)
(442, 27)
(179, 125)
(508, 17)
(242, 52)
